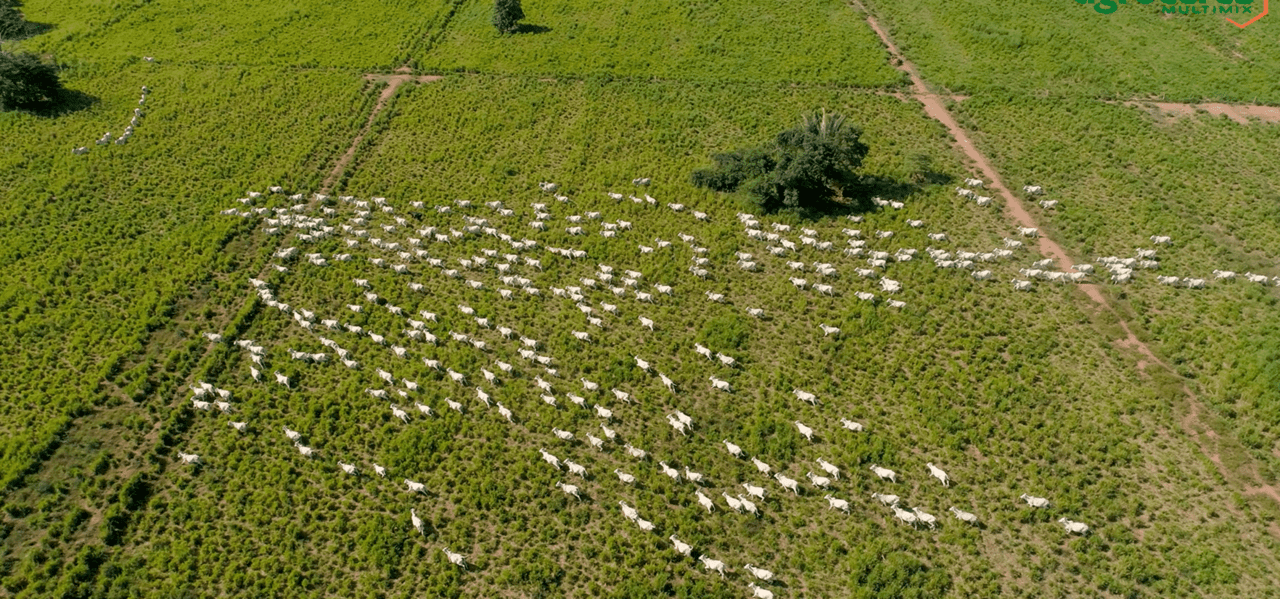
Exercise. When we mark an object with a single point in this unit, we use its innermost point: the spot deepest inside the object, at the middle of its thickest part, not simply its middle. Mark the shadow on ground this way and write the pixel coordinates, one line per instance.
(531, 29)
(25, 30)
(68, 101)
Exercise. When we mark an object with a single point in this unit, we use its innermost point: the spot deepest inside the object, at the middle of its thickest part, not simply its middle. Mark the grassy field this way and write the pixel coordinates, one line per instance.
(117, 262)
(1061, 48)
(1207, 182)
(991, 383)
(367, 34)
(99, 248)
(811, 41)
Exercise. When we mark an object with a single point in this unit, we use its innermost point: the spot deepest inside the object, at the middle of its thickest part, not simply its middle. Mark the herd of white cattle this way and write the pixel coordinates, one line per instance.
(499, 274)
(1122, 269)
(128, 130)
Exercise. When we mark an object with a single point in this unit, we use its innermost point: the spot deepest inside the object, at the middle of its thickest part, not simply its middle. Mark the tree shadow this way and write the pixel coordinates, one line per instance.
(530, 29)
(68, 101)
(858, 198)
(28, 29)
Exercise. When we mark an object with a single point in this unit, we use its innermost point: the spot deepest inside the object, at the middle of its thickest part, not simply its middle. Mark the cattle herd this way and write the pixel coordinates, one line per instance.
(128, 130)
(416, 243)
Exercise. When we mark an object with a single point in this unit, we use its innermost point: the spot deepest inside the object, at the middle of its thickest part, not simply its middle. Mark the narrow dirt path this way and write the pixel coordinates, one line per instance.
(1240, 113)
(393, 83)
(934, 107)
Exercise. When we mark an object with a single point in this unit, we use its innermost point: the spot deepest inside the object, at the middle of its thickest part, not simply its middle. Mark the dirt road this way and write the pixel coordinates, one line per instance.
(934, 107)
(393, 83)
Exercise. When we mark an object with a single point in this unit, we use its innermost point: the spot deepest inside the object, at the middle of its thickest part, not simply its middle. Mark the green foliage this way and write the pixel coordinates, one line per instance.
(381, 540)
(725, 332)
(881, 571)
(803, 41)
(735, 168)
(12, 23)
(26, 81)
(804, 169)
(1067, 49)
(540, 577)
(507, 15)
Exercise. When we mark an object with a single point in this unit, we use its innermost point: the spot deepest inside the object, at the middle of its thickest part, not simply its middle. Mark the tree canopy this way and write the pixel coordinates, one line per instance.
(507, 15)
(808, 167)
(13, 24)
(26, 81)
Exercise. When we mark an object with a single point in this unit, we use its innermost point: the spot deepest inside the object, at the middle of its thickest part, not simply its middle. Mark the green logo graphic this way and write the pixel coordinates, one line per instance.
(1189, 7)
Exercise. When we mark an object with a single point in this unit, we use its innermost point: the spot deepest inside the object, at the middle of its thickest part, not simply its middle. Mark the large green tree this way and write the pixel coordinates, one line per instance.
(26, 81)
(807, 167)
(507, 15)
(13, 25)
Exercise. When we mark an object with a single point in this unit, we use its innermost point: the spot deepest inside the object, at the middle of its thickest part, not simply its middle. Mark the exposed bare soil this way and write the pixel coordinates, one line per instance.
(393, 82)
(1241, 113)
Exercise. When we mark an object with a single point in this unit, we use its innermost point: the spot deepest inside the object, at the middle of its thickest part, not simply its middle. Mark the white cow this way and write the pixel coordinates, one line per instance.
(851, 425)
(964, 516)
(884, 473)
(1033, 501)
(1079, 528)
(837, 504)
(937, 473)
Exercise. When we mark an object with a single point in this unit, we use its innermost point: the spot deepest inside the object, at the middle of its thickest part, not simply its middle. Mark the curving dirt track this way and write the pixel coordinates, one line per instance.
(933, 106)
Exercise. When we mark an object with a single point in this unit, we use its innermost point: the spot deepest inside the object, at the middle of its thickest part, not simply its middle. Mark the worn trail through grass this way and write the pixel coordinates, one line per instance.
(1248, 479)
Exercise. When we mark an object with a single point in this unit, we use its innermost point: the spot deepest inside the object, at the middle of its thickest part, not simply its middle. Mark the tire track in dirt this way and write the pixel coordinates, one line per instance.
(1191, 423)
(393, 82)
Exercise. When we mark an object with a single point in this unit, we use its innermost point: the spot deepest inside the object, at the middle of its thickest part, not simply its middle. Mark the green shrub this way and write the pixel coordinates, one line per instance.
(725, 332)
(879, 573)
(507, 15)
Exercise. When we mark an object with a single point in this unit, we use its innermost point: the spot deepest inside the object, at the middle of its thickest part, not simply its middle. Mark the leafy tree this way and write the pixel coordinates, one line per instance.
(25, 80)
(12, 24)
(507, 15)
(805, 168)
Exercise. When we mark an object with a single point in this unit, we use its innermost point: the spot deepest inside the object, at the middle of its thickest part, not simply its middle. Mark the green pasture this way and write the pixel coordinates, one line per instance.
(808, 41)
(113, 265)
(99, 248)
(367, 34)
(1122, 175)
(1061, 48)
(1012, 392)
